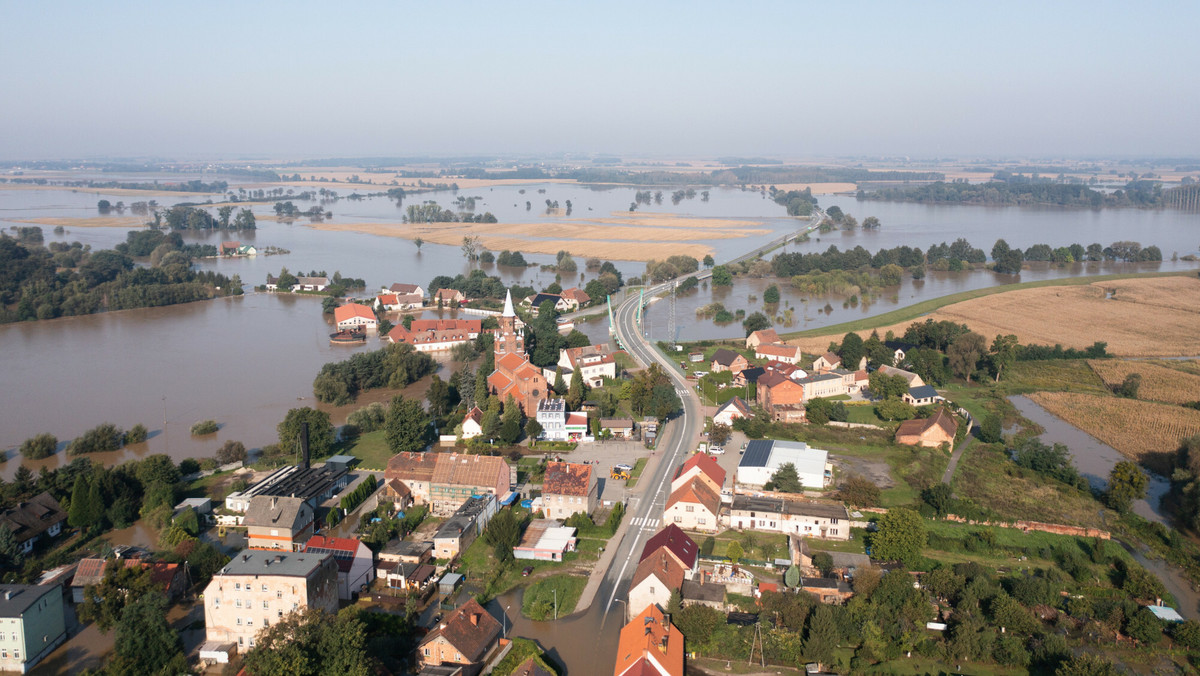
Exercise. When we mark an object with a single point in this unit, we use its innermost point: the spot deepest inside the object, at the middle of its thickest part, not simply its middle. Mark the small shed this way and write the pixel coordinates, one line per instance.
(449, 583)
(1166, 613)
(216, 652)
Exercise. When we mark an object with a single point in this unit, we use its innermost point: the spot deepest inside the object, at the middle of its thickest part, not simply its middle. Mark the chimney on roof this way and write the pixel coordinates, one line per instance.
(304, 444)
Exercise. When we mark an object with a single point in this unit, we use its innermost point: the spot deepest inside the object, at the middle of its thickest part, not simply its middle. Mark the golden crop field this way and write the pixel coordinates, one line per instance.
(1143, 317)
(1140, 430)
(1159, 383)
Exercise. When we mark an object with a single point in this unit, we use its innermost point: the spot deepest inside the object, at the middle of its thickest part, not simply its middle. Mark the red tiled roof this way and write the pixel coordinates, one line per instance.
(696, 492)
(705, 463)
(650, 633)
(475, 414)
(831, 358)
(766, 336)
(919, 426)
(576, 294)
(411, 466)
(403, 288)
(676, 541)
(351, 310)
(470, 629)
(775, 349)
(577, 418)
(388, 299)
(567, 478)
(663, 566)
(349, 545)
(468, 325)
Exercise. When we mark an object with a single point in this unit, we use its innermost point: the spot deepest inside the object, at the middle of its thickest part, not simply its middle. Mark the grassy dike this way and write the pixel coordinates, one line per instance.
(923, 308)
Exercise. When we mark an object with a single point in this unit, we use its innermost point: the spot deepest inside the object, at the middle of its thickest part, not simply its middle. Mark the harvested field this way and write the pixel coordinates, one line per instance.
(657, 236)
(1145, 317)
(1159, 383)
(89, 221)
(1140, 430)
(118, 192)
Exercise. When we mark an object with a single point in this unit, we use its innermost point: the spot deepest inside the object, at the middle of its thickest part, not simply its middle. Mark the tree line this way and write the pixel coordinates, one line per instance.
(194, 218)
(394, 366)
(1134, 194)
(62, 279)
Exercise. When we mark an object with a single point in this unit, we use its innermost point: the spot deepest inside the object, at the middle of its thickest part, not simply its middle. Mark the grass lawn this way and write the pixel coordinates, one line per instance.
(1052, 375)
(855, 545)
(371, 448)
(521, 650)
(752, 544)
(864, 415)
(638, 467)
(541, 596)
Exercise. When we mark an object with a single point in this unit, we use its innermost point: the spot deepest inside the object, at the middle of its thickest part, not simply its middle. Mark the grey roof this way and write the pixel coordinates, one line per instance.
(725, 357)
(849, 560)
(463, 518)
(269, 510)
(296, 481)
(820, 377)
(408, 548)
(703, 591)
(443, 670)
(746, 503)
(922, 392)
(899, 345)
(15, 599)
(758, 452)
(268, 562)
(343, 459)
(751, 374)
(543, 297)
(818, 583)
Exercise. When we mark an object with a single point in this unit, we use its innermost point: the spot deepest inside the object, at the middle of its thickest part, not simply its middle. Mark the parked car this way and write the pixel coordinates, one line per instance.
(623, 466)
(526, 571)
(716, 450)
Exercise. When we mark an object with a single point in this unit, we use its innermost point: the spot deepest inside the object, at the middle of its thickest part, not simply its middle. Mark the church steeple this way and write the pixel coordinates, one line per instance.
(508, 337)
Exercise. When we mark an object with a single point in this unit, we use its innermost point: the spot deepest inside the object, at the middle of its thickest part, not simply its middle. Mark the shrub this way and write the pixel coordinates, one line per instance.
(99, 439)
(204, 427)
(188, 466)
(136, 434)
(41, 446)
(231, 451)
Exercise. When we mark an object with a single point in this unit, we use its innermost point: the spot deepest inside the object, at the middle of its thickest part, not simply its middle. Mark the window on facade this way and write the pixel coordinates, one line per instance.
(264, 605)
(264, 587)
(241, 639)
(237, 586)
(833, 521)
(4, 654)
(834, 531)
(679, 519)
(238, 603)
(249, 621)
(251, 641)
(701, 521)
(689, 508)
(239, 620)
(427, 652)
(279, 594)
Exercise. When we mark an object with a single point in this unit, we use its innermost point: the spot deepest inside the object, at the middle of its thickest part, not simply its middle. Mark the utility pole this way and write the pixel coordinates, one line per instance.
(556, 603)
(671, 318)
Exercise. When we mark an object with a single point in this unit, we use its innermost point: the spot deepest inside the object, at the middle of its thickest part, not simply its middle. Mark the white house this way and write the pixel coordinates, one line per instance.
(596, 362)
(560, 425)
(354, 316)
(732, 410)
(764, 457)
(805, 518)
(472, 425)
(405, 289)
(356, 562)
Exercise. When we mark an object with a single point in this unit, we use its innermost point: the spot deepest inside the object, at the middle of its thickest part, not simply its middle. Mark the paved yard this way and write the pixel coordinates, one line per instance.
(603, 455)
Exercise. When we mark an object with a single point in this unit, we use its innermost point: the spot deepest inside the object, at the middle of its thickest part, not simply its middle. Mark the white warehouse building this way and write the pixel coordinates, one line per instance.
(764, 457)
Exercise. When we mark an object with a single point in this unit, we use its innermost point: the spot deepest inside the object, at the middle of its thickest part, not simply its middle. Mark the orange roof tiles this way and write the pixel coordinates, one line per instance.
(650, 644)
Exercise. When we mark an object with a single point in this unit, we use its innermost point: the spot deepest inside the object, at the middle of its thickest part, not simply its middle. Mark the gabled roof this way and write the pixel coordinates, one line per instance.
(387, 299)
(448, 293)
(919, 426)
(737, 404)
(351, 310)
(831, 358)
(922, 392)
(576, 294)
(650, 646)
(777, 350)
(15, 599)
(696, 492)
(753, 373)
(893, 371)
(661, 565)
(474, 414)
(334, 545)
(511, 361)
(530, 667)
(773, 379)
(540, 298)
(404, 288)
(766, 336)
(705, 463)
(676, 541)
(567, 478)
(468, 470)
(411, 466)
(470, 629)
(725, 357)
(34, 517)
(277, 512)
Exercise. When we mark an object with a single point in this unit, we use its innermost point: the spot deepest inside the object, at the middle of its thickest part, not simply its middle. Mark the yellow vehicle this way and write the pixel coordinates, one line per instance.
(619, 473)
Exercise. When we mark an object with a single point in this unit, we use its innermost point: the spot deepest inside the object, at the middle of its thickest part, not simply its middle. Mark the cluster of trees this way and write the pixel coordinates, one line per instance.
(511, 259)
(607, 282)
(1008, 260)
(477, 284)
(672, 267)
(651, 393)
(287, 211)
(1135, 194)
(393, 366)
(61, 280)
(1185, 482)
(360, 493)
(746, 176)
(431, 212)
(194, 218)
(798, 202)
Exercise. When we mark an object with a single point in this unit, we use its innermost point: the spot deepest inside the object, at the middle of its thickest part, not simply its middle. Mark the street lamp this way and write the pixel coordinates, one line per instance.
(555, 603)
(626, 617)
(505, 619)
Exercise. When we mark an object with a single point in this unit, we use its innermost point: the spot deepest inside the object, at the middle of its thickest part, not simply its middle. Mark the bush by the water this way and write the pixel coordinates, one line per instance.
(204, 427)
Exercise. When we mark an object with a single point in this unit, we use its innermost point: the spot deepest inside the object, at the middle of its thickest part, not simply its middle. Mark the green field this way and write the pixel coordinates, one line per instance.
(636, 474)
(541, 596)
(371, 448)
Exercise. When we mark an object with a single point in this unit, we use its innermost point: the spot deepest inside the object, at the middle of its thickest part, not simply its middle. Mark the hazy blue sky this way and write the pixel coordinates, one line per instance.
(795, 79)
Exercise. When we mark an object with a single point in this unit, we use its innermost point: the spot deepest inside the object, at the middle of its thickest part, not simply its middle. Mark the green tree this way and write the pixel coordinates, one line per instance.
(720, 433)
(822, 636)
(991, 430)
(755, 322)
(503, 533)
(852, 350)
(1126, 483)
(105, 603)
(11, 555)
(576, 392)
(231, 451)
(1130, 386)
(965, 352)
(560, 387)
(145, 643)
(901, 536)
(785, 480)
(771, 295)
(533, 429)
(82, 512)
(1003, 354)
(406, 427)
(887, 387)
(320, 432)
(858, 491)
(1086, 664)
(41, 446)
(734, 551)
(1187, 634)
(823, 561)
(310, 642)
(721, 276)
(286, 280)
(895, 409)
(136, 434)
(708, 261)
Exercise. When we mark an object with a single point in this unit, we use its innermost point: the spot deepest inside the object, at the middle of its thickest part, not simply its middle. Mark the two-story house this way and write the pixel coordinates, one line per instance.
(456, 478)
(355, 561)
(568, 488)
(466, 636)
(274, 522)
(39, 518)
